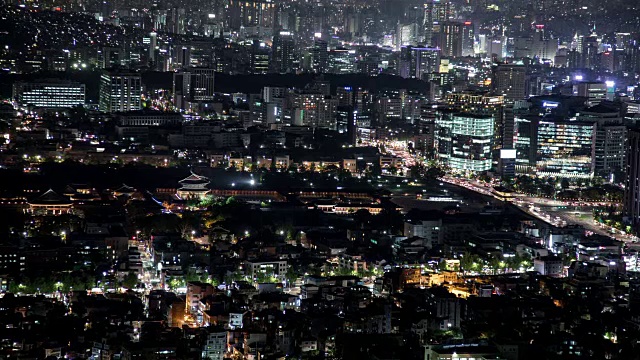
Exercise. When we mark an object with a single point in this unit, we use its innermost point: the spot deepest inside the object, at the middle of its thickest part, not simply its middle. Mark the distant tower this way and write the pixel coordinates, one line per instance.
(320, 55)
(468, 39)
(283, 52)
(435, 12)
(450, 39)
(632, 184)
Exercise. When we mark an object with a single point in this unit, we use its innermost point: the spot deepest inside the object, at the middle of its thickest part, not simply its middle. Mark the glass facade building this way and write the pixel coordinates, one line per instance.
(565, 149)
(465, 142)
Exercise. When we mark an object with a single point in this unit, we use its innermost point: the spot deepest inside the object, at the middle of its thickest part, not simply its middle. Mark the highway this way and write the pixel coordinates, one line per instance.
(554, 212)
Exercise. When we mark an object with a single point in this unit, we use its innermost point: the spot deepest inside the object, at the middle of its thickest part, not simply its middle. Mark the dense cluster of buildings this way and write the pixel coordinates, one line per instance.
(217, 282)
(259, 179)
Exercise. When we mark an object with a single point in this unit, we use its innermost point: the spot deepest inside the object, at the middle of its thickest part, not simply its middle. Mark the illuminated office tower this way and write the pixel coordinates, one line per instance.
(595, 92)
(526, 142)
(484, 104)
(565, 149)
(259, 60)
(192, 86)
(345, 95)
(346, 122)
(609, 141)
(471, 138)
(49, 94)
(120, 91)
(342, 61)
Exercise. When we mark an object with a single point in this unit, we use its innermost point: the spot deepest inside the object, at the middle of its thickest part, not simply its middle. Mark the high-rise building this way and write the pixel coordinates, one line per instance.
(120, 91)
(346, 122)
(632, 182)
(153, 43)
(483, 104)
(468, 39)
(176, 20)
(416, 62)
(327, 113)
(509, 80)
(110, 57)
(283, 52)
(342, 61)
(435, 12)
(307, 105)
(595, 92)
(536, 46)
(249, 13)
(450, 39)
(565, 149)
(271, 93)
(259, 60)
(345, 95)
(609, 142)
(470, 138)
(526, 143)
(49, 94)
(192, 86)
(406, 35)
(320, 55)
(389, 108)
(507, 153)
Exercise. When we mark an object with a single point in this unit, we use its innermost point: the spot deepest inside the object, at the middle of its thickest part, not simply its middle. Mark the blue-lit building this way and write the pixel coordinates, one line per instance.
(465, 142)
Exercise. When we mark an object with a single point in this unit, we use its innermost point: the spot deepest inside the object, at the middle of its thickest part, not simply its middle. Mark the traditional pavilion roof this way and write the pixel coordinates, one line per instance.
(73, 189)
(69, 190)
(194, 179)
(125, 189)
(50, 197)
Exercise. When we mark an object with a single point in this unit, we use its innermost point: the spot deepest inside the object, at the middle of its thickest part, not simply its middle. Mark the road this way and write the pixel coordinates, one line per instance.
(554, 212)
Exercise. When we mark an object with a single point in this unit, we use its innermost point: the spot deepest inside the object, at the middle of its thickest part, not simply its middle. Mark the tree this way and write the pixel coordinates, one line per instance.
(291, 276)
(484, 177)
(341, 271)
(495, 264)
(176, 283)
(434, 172)
(417, 170)
(469, 262)
(442, 266)
(264, 277)
(564, 184)
(130, 281)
